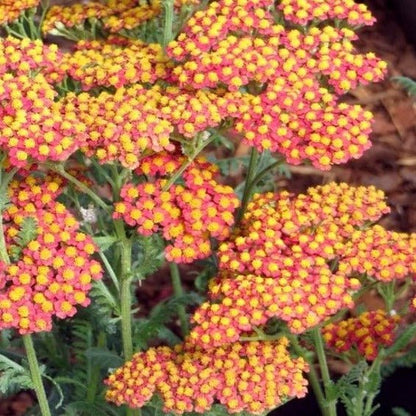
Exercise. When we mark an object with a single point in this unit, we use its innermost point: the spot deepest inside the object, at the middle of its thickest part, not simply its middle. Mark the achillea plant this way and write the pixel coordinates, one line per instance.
(250, 376)
(108, 171)
(189, 215)
(366, 332)
(50, 268)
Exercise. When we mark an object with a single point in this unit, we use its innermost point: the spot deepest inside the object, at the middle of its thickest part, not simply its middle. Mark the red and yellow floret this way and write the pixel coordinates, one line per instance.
(10, 10)
(252, 376)
(366, 333)
(25, 56)
(290, 79)
(304, 12)
(74, 15)
(33, 126)
(121, 126)
(50, 274)
(116, 62)
(188, 214)
(298, 259)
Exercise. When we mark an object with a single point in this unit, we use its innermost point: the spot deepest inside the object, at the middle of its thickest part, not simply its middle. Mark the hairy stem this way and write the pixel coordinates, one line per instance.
(178, 291)
(168, 22)
(36, 375)
(312, 375)
(330, 405)
(94, 376)
(125, 297)
(248, 188)
(84, 188)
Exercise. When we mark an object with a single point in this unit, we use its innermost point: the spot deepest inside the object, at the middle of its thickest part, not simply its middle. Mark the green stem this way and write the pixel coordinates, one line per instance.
(168, 22)
(5, 178)
(323, 365)
(248, 188)
(177, 174)
(199, 145)
(4, 256)
(36, 375)
(178, 291)
(370, 396)
(84, 188)
(125, 298)
(312, 375)
(94, 376)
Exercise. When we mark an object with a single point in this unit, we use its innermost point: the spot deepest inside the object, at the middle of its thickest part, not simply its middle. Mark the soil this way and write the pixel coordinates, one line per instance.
(390, 165)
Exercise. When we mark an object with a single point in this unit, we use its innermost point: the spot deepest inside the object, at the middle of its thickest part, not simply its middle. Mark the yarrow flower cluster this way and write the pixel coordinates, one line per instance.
(74, 15)
(51, 268)
(10, 10)
(25, 56)
(296, 258)
(116, 62)
(33, 126)
(366, 333)
(188, 214)
(121, 126)
(287, 107)
(114, 16)
(251, 376)
(305, 11)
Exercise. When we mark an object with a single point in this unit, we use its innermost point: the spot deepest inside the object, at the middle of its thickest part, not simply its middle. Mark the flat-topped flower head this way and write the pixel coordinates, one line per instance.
(299, 259)
(379, 253)
(10, 10)
(73, 15)
(33, 126)
(289, 79)
(116, 62)
(25, 56)
(188, 215)
(304, 12)
(251, 376)
(121, 126)
(132, 17)
(51, 268)
(366, 333)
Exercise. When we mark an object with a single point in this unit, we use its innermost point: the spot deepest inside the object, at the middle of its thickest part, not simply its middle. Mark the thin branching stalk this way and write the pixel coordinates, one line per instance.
(178, 291)
(168, 22)
(330, 405)
(36, 375)
(59, 169)
(248, 188)
(312, 375)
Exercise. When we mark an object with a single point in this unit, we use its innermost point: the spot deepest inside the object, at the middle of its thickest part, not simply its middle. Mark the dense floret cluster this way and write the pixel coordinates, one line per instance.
(306, 11)
(292, 78)
(10, 10)
(366, 333)
(188, 214)
(251, 376)
(116, 62)
(51, 269)
(298, 259)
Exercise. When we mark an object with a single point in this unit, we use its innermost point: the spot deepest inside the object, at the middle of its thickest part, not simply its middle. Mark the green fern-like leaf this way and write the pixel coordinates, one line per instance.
(148, 255)
(402, 341)
(104, 304)
(26, 234)
(407, 83)
(13, 376)
(160, 316)
(103, 358)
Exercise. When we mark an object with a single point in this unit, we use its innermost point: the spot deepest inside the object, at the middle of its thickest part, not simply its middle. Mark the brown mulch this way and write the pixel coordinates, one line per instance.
(391, 162)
